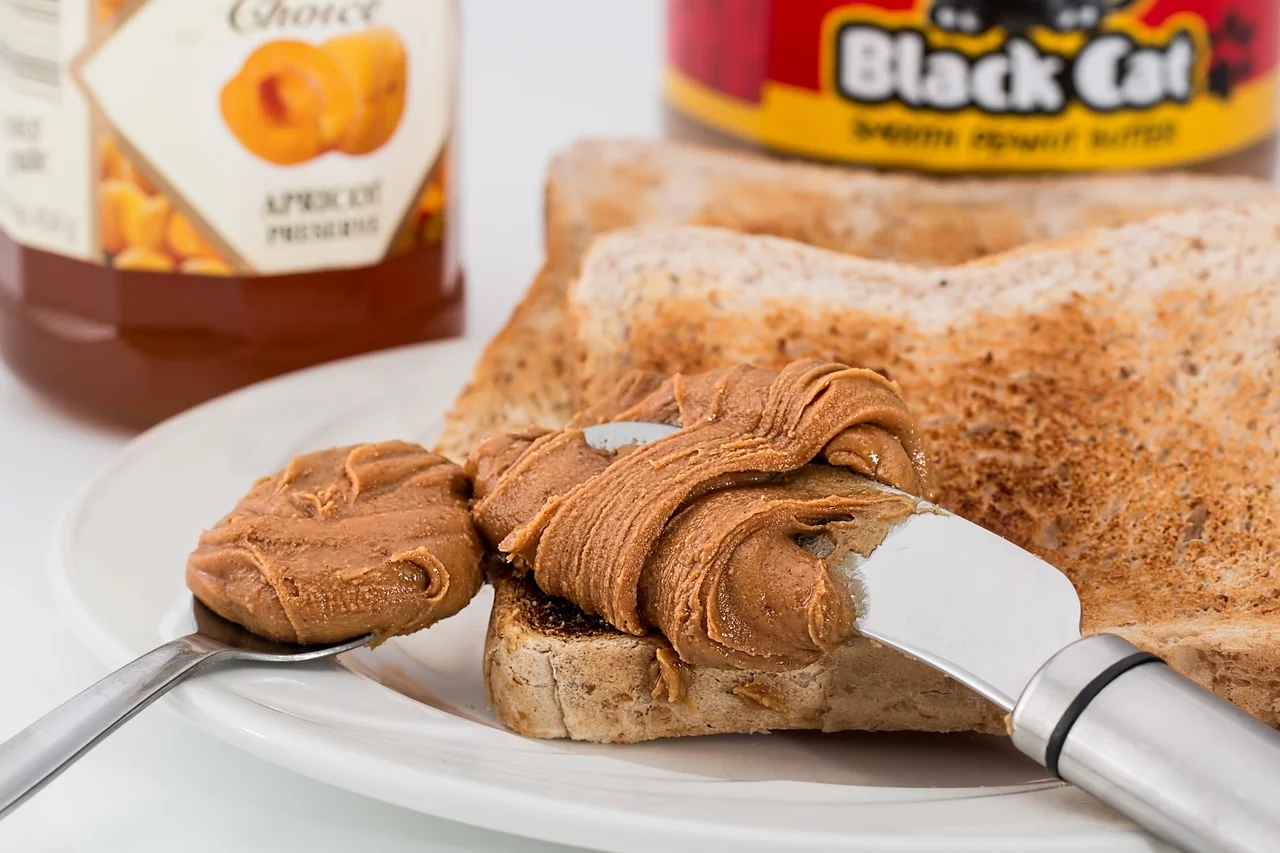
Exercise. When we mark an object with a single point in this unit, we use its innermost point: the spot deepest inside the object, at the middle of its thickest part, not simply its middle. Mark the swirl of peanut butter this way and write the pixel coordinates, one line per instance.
(375, 538)
(697, 534)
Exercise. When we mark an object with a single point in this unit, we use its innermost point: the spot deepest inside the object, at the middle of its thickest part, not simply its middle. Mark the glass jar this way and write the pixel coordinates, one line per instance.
(980, 86)
(198, 194)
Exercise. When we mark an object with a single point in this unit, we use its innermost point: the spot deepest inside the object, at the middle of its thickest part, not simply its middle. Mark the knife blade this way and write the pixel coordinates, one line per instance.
(1097, 712)
(1027, 608)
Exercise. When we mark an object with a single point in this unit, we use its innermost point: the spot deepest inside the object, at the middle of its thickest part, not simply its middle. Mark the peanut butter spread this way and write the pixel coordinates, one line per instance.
(698, 535)
(374, 538)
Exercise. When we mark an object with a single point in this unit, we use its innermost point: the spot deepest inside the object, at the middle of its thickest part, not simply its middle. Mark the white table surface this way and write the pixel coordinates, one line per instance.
(536, 74)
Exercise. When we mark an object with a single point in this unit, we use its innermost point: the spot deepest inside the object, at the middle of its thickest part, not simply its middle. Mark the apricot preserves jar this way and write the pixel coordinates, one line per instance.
(197, 194)
(980, 86)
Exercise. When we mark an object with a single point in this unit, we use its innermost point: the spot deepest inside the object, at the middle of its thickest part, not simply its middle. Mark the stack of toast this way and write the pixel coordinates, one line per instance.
(1095, 363)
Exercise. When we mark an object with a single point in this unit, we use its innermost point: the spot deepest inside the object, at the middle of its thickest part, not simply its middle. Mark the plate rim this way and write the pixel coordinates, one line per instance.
(537, 816)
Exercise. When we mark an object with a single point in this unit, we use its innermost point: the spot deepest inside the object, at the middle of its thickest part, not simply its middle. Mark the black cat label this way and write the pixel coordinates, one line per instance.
(981, 85)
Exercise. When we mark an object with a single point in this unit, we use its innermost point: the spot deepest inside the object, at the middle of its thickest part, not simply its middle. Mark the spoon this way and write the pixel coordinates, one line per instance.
(36, 755)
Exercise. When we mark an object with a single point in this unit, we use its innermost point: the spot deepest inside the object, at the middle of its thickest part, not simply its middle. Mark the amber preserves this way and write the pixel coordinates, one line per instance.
(136, 347)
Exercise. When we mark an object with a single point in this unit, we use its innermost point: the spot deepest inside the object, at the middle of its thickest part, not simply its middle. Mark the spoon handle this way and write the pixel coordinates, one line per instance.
(34, 756)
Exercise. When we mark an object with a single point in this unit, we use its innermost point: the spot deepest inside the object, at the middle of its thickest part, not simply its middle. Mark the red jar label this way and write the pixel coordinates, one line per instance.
(981, 85)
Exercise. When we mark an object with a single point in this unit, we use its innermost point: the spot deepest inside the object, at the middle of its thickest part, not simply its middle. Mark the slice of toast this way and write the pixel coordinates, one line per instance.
(523, 378)
(554, 672)
(1110, 402)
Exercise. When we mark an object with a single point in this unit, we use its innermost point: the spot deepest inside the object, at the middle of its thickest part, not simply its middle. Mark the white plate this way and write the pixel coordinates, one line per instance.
(408, 723)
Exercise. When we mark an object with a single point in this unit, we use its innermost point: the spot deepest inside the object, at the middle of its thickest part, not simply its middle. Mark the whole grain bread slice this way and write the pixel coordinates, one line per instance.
(1111, 403)
(523, 377)
(554, 672)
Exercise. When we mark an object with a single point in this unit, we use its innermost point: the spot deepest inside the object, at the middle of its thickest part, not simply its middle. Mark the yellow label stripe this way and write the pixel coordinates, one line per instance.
(828, 127)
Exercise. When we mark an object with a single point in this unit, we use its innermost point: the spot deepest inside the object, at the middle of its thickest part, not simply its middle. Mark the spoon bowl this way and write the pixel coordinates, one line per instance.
(239, 643)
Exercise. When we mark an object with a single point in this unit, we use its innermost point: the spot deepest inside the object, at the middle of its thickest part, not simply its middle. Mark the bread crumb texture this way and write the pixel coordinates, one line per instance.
(1110, 404)
(523, 377)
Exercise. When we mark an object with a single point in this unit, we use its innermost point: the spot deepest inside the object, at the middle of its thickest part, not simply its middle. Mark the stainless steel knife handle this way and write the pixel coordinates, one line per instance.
(1185, 765)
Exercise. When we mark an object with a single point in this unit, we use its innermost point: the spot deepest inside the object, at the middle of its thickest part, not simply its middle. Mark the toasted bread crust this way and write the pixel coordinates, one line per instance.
(524, 376)
(546, 682)
(552, 679)
(598, 684)
(1109, 403)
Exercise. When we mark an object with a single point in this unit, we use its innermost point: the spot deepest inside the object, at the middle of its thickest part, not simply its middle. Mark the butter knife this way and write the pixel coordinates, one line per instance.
(1097, 711)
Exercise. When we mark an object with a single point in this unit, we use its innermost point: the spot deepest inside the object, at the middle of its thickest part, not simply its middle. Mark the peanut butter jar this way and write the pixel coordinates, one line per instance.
(981, 86)
(198, 194)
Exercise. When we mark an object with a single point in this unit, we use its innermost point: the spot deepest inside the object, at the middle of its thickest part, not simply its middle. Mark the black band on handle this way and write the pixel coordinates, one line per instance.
(1059, 737)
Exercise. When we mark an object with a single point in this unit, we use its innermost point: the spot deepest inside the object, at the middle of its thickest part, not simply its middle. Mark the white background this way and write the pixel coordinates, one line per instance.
(537, 74)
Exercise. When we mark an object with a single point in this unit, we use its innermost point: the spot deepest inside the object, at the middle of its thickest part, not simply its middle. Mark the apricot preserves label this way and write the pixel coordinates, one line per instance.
(219, 137)
(978, 85)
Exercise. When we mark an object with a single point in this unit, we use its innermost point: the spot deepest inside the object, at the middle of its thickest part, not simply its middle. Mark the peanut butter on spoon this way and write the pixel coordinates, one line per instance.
(698, 535)
(374, 538)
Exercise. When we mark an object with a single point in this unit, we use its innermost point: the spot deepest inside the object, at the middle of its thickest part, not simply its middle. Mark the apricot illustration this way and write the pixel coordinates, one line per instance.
(144, 226)
(184, 241)
(206, 266)
(376, 65)
(435, 194)
(116, 166)
(146, 260)
(131, 173)
(433, 199)
(107, 9)
(289, 102)
(113, 162)
(119, 202)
